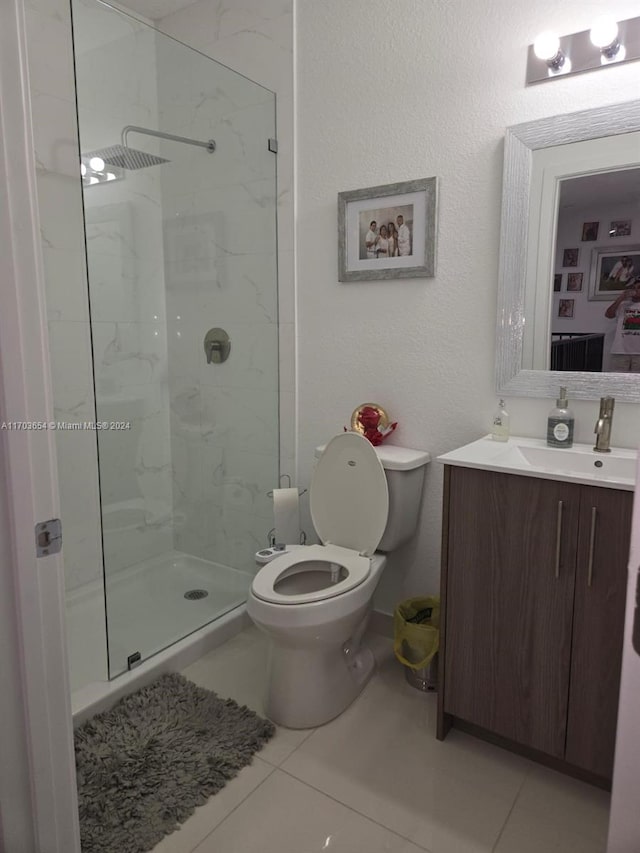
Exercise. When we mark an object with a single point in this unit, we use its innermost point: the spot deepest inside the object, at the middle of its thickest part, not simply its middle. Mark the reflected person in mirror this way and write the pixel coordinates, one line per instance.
(625, 349)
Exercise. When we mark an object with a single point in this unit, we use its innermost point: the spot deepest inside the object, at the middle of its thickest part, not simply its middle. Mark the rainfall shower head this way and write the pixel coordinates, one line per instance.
(125, 157)
(130, 158)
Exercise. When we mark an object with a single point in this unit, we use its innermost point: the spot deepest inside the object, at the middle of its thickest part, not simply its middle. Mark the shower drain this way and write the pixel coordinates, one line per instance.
(195, 594)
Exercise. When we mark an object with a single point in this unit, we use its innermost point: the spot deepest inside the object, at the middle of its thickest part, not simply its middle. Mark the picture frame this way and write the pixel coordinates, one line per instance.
(557, 282)
(590, 231)
(612, 270)
(570, 257)
(565, 308)
(366, 253)
(620, 228)
(574, 281)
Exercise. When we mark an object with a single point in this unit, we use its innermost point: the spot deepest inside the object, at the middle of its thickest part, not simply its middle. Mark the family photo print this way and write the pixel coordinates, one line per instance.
(387, 232)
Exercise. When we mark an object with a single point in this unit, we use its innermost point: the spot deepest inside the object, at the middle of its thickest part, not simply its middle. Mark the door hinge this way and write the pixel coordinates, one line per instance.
(272, 145)
(48, 537)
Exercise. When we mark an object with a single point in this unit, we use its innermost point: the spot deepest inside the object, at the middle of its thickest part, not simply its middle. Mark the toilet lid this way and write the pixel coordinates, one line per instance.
(349, 495)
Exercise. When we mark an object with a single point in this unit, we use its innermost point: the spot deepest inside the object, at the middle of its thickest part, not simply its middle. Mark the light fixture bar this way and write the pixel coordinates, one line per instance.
(585, 56)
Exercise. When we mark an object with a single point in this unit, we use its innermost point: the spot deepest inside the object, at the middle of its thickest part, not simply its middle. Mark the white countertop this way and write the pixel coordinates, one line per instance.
(531, 457)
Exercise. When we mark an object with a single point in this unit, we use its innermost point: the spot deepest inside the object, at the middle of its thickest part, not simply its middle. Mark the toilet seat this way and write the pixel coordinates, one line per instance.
(265, 582)
(349, 507)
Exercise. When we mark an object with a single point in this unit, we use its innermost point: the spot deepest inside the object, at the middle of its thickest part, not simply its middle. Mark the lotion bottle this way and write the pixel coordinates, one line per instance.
(560, 423)
(500, 425)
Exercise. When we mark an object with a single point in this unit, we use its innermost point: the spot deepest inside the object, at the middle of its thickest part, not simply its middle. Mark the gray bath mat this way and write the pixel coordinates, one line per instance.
(147, 763)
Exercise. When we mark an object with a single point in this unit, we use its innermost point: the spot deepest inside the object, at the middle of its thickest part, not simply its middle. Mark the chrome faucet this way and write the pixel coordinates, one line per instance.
(603, 425)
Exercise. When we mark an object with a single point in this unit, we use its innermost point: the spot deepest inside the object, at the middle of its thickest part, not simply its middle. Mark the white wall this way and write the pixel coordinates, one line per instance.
(382, 97)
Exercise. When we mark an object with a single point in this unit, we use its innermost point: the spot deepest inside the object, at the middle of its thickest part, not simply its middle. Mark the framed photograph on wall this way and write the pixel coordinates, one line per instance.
(570, 257)
(612, 270)
(620, 228)
(574, 281)
(388, 231)
(590, 231)
(565, 308)
(557, 282)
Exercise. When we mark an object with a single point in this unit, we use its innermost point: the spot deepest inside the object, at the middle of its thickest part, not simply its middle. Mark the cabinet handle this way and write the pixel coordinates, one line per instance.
(592, 539)
(558, 537)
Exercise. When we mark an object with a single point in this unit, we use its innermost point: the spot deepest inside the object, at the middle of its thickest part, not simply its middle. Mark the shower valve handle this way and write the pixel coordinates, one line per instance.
(217, 346)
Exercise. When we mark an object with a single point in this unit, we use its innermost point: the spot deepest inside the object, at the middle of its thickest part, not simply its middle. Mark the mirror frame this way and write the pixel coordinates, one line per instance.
(521, 141)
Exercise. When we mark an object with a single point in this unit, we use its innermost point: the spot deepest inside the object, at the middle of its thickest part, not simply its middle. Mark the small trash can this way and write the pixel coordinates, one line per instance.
(416, 640)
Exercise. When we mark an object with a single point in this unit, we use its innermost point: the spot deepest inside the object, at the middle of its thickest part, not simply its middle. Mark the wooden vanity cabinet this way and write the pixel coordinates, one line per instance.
(533, 600)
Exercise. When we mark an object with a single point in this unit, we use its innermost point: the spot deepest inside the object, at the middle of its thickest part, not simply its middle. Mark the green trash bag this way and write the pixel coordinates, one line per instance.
(416, 624)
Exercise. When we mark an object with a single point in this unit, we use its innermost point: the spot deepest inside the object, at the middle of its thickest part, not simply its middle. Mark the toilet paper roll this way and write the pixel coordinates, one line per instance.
(286, 514)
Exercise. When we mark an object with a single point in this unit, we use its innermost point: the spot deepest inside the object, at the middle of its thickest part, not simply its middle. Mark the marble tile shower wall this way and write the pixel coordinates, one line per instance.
(59, 191)
(117, 72)
(256, 41)
(220, 239)
(127, 303)
(254, 38)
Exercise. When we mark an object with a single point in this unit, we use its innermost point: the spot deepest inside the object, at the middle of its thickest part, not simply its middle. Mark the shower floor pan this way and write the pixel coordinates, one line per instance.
(149, 614)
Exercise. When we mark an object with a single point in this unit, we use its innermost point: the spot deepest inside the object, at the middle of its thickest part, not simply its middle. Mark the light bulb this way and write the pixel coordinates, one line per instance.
(83, 169)
(97, 164)
(604, 31)
(546, 46)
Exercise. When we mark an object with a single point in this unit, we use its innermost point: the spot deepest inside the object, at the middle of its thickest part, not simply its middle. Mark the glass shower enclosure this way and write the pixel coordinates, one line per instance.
(179, 189)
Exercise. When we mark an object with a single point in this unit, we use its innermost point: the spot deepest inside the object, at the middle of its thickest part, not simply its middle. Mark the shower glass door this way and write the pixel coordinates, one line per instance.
(179, 188)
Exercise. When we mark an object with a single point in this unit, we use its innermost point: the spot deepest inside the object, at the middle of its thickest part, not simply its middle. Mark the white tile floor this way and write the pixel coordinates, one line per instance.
(376, 779)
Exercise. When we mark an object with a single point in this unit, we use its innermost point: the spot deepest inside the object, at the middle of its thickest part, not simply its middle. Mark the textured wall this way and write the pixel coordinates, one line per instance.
(381, 97)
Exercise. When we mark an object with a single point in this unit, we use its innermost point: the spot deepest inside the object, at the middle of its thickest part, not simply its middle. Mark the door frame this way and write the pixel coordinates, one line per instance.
(39, 684)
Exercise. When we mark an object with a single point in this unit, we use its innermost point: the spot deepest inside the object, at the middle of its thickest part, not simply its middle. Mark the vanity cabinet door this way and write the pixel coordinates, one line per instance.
(509, 604)
(601, 586)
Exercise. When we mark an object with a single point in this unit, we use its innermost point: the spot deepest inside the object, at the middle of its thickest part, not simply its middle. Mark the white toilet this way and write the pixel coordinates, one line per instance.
(314, 600)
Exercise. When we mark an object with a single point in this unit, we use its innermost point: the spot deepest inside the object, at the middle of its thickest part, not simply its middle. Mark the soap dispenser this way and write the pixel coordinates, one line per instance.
(500, 425)
(560, 423)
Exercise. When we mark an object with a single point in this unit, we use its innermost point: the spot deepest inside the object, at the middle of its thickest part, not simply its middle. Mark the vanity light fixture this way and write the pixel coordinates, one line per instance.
(608, 42)
(547, 47)
(604, 35)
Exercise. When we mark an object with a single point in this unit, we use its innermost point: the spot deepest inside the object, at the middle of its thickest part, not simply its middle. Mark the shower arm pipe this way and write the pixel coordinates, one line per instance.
(210, 144)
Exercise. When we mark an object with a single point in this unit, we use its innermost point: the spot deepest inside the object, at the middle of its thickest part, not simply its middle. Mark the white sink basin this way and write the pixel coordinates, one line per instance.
(532, 458)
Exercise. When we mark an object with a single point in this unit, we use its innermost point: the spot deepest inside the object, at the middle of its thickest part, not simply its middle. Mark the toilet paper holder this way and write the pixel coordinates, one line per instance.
(271, 536)
(300, 493)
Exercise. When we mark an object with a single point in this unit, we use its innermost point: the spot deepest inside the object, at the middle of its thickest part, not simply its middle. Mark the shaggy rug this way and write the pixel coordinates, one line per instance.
(147, 763)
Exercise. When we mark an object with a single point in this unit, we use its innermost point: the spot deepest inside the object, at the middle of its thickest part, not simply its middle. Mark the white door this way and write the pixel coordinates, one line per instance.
(38, 801)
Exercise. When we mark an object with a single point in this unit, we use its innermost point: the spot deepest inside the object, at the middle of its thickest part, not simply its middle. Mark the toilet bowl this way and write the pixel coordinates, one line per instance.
(313, 601)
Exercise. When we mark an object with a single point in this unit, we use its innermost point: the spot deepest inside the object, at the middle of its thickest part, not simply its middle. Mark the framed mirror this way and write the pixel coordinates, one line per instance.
(566, 256)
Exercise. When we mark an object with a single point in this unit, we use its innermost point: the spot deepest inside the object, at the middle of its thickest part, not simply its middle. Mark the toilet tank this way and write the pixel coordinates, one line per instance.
(405, 477)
